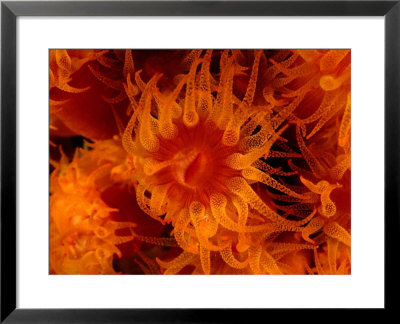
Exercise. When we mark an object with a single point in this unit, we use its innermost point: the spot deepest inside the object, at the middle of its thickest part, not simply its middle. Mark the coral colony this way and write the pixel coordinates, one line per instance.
(200, 161)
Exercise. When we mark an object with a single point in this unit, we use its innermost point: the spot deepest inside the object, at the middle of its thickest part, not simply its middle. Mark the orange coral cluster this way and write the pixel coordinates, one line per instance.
(200, 162)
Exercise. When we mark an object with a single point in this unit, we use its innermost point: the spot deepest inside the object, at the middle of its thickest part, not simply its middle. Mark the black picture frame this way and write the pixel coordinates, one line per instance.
(10, 10)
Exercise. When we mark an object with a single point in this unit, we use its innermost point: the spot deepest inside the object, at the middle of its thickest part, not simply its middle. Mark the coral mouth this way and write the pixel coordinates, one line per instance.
(193, 169)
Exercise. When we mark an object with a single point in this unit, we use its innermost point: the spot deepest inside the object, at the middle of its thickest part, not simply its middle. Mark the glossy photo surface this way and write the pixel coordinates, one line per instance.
(200, 161)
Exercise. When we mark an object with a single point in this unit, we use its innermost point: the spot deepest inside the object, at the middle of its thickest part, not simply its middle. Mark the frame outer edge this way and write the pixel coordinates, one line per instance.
(203, 8)
(392, 151)
(8, 161)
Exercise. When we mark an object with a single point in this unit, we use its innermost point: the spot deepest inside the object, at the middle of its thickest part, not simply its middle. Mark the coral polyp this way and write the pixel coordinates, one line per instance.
(241, 158)
(83, 235)
(196, 156)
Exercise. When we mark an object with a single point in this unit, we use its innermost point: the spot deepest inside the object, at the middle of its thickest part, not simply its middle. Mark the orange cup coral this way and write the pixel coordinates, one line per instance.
(204, 154)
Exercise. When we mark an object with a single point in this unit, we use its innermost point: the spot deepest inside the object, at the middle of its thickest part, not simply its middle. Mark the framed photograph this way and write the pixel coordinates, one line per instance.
(186, 161)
